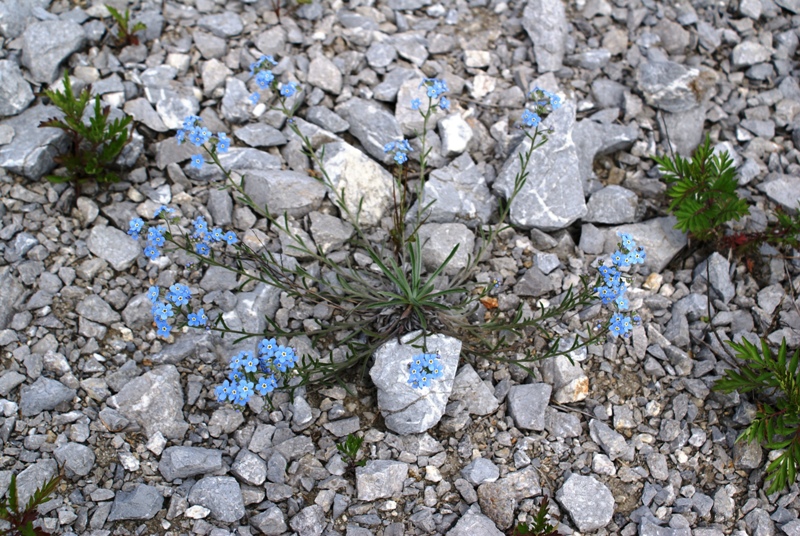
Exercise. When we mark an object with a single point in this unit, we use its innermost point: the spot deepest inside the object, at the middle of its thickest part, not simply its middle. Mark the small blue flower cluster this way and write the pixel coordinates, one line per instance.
(401, 149)
(179, 296)
(423, 369)
(542, 99)
(198, 135)
(208, 238)
(613, 291)
(155, 235)
(242, 381)
(261, 69)
(434, 89)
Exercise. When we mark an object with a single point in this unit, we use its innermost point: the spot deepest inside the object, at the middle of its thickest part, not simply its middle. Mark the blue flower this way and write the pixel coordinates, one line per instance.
(155, 236)
(288, 89)
(388, 147)
(193, 319)
(181, 136)
(267, 347)
(621, 302)
(222, 391)
(245, 392)
(435, 87)
(415, 104)
(233, 391)
(197, 161)
(555, 101)
(191, 121)
(620, 259)
(199, 136)
(254, 98)
(444, 103)
(250, 364)
(136, 225)
(201, 248)
(179, 294)
(637, 256)
(230, 238)
(400, 157)
(266, 384)
(284, 358)
(530, 119)
(264, 79)
(163, 329)
(223, 143)
(151, 252)
(152, 294)
(236, 361)
(217, 234)
(163, 209)
(162, 310)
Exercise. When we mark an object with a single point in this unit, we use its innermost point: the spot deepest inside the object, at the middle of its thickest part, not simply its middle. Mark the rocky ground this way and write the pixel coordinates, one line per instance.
(629, 439)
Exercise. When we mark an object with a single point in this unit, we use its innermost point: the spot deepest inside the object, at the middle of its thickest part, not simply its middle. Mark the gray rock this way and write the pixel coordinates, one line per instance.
(32, 151)
(648, 528)
(44, 395)
(218, 278)
(527, 404)
(459, 193)
(183, 462)
(593, 139)
(535, 283)
(324, 74)
(480, 470)
(570, 383)
(113, 246)
(243, 160)
(220, 494)
(545, 22)
(439, 240)
(560, 424)
(364, 181)
(327, 119)
(685, 129)
(473, 523)
(590, 59)
(226, 24)
(173, 107)
(155, 402)
(612, 442)
(456, 135)
(724, 505)
(209, 45)
(46, 44)
(213, 74)
(343, 427)
(76, 459)
(750, 53)
(380, 479)
(14, 15)
(9, 381)
(747, 455)
(94, 308)
(407, 410)
(498, 503)
(250, 468)
(476, 395)
(372, 125)
(271, 522)
(611, 205)
(290, 192)
(33, 478)
(387, 90)
(143, 502)
(276, 468)
(143, 112)
(236, 106)
(717, 268)
(11, 290)
(412, 46)
(380, 55)
(608, 93)
(15, 92)
(220, 206)
(329, 232)
(260, 135)
(552, 198)
(310, 521)
(784, 190)
(658, 236)
(672, 87)
(589, 503)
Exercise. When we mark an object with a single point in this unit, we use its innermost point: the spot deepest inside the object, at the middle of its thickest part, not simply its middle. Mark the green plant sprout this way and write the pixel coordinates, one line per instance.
(349, 449)
(126, 35)
(22, 520)
(94, 146)
(540, 525)
(773, 379)
(703, 191)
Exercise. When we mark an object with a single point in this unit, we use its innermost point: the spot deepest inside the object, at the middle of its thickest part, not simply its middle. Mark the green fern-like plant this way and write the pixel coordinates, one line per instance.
(21, 518)
(126, 34)
(349, 449)
(702, 191)
(96, 145)
(540, 525)
(777, 421)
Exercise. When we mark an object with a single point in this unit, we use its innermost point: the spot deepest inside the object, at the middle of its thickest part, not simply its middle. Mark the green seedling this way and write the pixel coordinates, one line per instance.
(773, 380)
(349, 449)
(126, 34)
(22, 519)
(540, 525)
(94, 146)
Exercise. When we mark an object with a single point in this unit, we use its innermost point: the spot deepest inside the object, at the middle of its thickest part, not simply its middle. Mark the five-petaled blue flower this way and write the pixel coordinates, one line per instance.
(197, 161)
(288, 89)
(201, 248)
(415, 104)
(423, 369)
(222, 391)
(444, 103)
(151, 252)
(223, 143)
(254, 98)
(152, 294)
(530, 119)
(266, 384)
(136, 225)
(230, 238)
(197, 319)
(163, 328)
